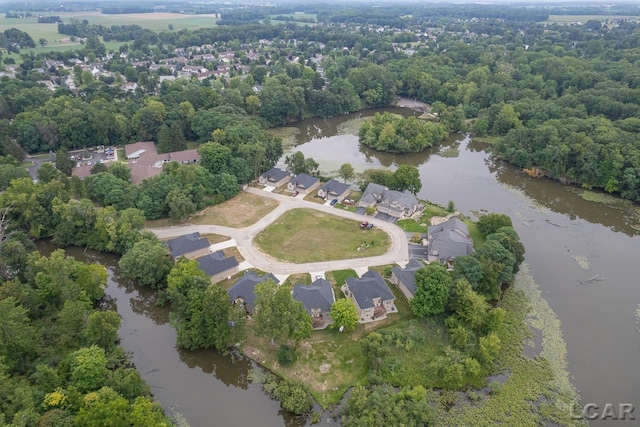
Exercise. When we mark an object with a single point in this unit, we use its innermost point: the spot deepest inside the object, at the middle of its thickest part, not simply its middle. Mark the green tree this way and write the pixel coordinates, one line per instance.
(491, 222)
(47, 172)
(103, 408)
(180, 205)
(102, 329)
(506, 120)
(206, 321)
(297, 164)
(88, 368)
(468, 267)
(469, 307)
(407, 178)
(120, 171)
(184, 276)
(63, 162)
(509, 239)
(18, 337)
(145, 413)
(148, 262)
(346, 172)
(278, 316)
(215, 157)
(344, 313)
(432, 290)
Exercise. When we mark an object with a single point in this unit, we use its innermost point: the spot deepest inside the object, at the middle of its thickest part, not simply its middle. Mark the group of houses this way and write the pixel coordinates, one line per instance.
(216, 265)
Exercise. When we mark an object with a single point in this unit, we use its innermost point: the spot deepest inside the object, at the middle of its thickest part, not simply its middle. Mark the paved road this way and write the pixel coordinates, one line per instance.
(244, 238)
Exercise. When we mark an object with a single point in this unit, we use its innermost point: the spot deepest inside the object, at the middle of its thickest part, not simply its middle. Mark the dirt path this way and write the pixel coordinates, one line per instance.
(398, 252)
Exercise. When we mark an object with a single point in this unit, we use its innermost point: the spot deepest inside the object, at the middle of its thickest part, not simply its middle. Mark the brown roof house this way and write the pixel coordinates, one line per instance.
(448, 240)
(243, 291)
(317, 298)
(274, 177)
(190, 246)
(371, 295)
(144, 161)
(303, 183)
(334, 190)
(218, 266)
(405, 278)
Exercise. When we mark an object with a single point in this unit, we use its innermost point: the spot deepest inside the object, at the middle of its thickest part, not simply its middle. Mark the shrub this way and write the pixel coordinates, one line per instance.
(287, 355)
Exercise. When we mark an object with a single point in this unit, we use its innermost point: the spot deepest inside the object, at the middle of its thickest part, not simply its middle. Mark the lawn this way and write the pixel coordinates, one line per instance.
(306, 235)
(241, 211)
(215, 238)
(329, 363)
(413, 226)
(475, 234)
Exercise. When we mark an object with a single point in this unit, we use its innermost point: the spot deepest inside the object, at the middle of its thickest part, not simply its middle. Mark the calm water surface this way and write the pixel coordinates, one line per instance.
(598, 320)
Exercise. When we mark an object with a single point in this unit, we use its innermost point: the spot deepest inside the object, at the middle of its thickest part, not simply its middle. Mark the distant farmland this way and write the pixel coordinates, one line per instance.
(158, 21)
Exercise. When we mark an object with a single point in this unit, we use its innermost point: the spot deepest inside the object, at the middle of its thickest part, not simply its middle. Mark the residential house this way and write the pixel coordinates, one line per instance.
(190, 246)
(448, 240)
(303, 183)
(404, 278)
(218, 266)
(317, 298)
(243, 291)
(334, 190)
(398, 204)
(371, 295)
(274, 177)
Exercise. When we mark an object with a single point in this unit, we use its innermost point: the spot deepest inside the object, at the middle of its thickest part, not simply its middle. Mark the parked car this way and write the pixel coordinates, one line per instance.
(369, 226)
(364, 224)
(333, 202)
(294, 194)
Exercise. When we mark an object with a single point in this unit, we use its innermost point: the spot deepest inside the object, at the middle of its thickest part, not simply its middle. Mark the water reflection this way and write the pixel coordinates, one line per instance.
(231, 369)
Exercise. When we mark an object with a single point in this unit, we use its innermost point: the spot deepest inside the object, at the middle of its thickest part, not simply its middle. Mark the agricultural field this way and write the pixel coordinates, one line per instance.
(158, 21)
(567, 19)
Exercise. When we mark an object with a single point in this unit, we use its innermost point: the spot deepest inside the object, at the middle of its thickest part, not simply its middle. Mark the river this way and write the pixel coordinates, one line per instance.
(598, 320)
(568, 240)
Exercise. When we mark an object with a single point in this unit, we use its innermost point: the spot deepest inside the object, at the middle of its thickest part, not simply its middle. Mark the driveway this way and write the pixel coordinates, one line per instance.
(398, 251)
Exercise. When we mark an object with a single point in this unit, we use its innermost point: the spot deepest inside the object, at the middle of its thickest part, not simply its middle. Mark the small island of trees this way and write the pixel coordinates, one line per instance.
(387, 132)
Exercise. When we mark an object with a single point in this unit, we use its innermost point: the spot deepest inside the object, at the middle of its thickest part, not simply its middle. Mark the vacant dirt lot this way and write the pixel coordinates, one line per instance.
(241, 211)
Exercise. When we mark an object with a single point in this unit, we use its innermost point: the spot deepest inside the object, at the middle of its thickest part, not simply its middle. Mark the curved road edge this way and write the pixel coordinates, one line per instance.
(398, 252)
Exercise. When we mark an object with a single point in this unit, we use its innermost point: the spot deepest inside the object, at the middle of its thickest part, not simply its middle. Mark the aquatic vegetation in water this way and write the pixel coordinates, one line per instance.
(449, 152)
(582, 261)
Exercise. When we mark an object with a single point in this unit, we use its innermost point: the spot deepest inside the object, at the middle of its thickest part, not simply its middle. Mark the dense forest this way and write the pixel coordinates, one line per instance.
(562, 98)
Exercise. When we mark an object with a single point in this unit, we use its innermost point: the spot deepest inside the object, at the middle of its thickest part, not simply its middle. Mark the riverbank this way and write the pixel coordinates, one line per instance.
(530, 385)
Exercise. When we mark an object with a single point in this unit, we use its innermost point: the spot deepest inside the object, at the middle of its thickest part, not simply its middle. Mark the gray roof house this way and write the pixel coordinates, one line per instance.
(405, 278)
(317, 298)
(371, 295)
(218, 266)
(398, 204)
(274, 177)
(190, 246)
(449, 240)
(303, 183)
(242, 292)
(334, 190)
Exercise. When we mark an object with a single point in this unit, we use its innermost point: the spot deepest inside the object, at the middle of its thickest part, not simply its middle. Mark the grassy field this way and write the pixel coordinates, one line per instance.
(329, 362)
(567, 19)
(241, 211)
(154, 21)
(475, 234)
(305, 235)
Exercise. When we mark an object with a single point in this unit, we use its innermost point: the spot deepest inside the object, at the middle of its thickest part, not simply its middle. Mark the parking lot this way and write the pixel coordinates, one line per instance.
(90, 157)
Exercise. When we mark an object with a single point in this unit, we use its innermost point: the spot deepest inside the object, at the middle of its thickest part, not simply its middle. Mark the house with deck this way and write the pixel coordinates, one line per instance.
(371, 295)
(317, 298)
(334, 190)
(405, 278)
(190, 246)
(398, 204)
(243, 291)
(303, 183)
(448, 240)
(274, 178)
(218, 266)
